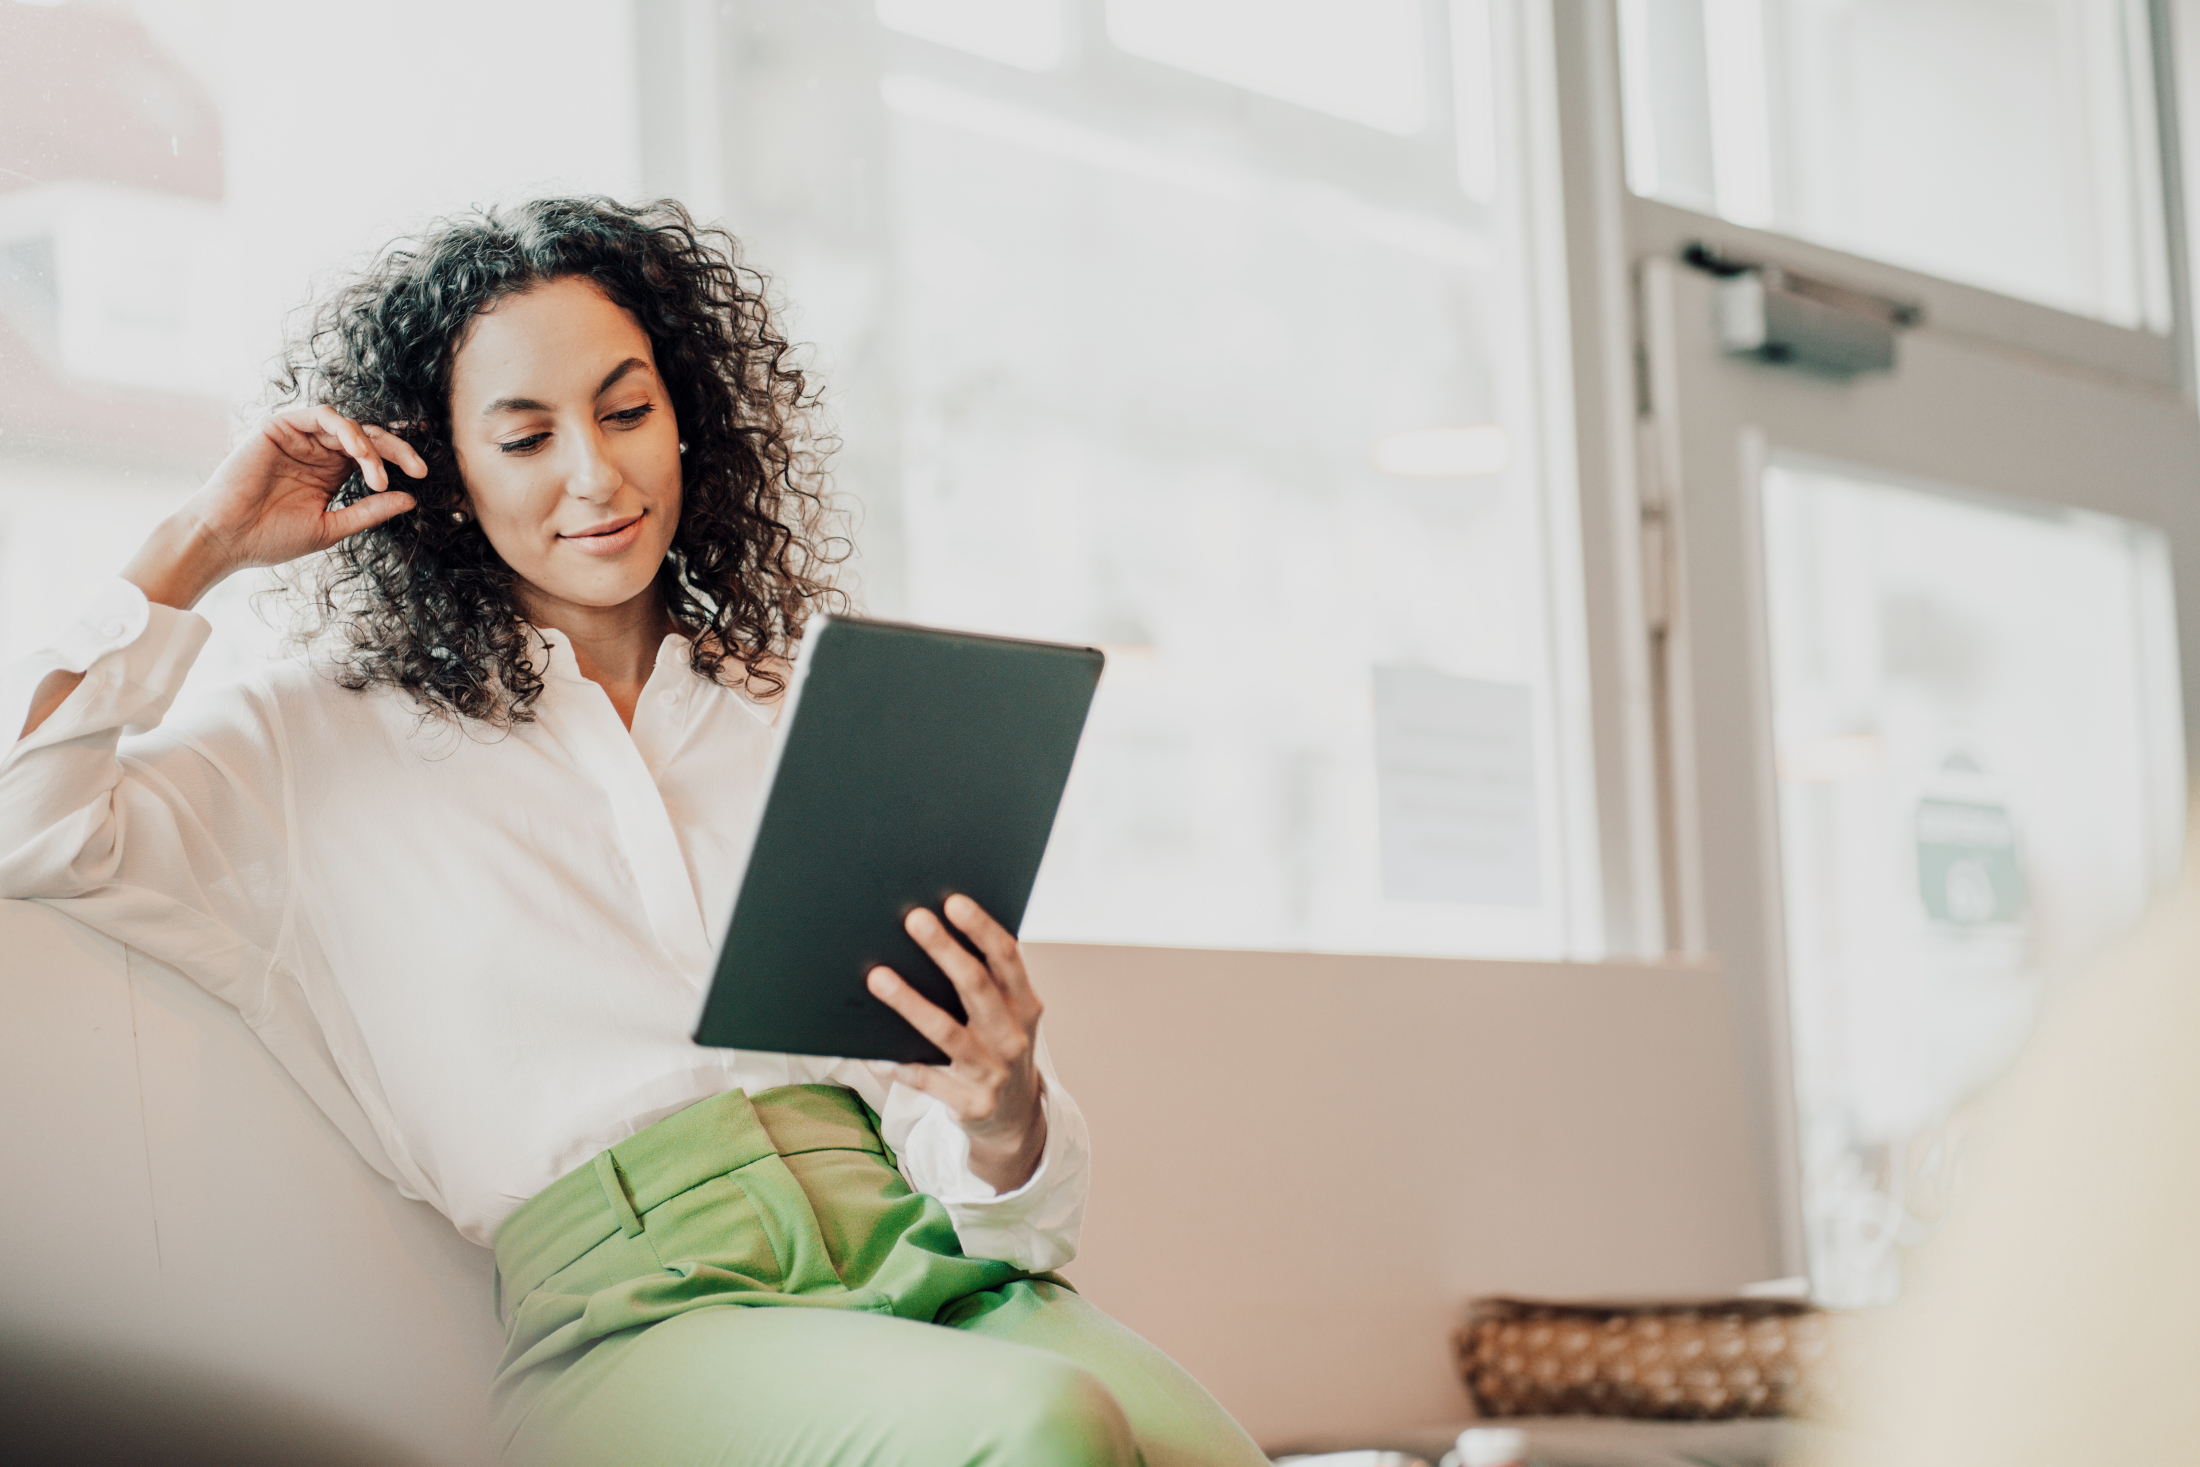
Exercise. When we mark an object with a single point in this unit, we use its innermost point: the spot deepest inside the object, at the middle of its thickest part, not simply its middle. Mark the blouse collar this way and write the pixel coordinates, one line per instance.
(550, 654)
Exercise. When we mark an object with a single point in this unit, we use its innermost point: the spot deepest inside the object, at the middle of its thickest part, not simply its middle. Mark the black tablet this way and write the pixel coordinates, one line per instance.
(909, 764)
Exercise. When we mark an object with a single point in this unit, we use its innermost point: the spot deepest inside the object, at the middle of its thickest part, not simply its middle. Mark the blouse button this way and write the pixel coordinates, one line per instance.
(669, 697)
(110, 628)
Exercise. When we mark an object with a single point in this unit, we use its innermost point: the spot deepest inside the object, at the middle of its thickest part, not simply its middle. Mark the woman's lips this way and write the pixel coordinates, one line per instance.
(608, 538)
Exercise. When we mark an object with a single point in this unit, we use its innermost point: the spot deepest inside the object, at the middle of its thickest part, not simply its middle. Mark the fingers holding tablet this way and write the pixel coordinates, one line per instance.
(991, 1081)
(1004, 956)
(974, 977)
(925, 1016)
(999, 1037)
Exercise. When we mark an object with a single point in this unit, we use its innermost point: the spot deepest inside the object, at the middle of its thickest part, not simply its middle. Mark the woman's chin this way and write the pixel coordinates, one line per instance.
(598, 592)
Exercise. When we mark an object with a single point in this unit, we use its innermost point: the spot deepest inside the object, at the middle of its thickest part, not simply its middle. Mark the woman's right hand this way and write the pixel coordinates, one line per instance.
(268, 502)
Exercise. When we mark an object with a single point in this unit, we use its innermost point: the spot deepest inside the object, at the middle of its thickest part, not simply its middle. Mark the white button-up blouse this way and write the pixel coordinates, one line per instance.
(480, 952)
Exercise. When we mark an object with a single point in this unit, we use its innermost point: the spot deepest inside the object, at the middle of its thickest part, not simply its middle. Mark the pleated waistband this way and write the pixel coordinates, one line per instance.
(710, 1138)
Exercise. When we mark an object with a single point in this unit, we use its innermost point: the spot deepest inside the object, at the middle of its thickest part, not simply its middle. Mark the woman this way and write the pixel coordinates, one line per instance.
(459, 870)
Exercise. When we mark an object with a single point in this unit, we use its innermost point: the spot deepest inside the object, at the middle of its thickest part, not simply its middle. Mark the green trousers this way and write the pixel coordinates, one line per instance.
(752, 1282)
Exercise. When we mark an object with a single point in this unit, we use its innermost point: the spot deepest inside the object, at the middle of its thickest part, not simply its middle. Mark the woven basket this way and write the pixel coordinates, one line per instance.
(1696, 1361)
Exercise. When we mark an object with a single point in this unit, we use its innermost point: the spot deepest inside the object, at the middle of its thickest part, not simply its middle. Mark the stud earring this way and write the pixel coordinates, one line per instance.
(458, 517)
(683, 448)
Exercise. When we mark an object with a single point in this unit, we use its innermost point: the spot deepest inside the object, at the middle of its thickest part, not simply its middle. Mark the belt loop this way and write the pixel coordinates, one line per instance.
(614, 1194)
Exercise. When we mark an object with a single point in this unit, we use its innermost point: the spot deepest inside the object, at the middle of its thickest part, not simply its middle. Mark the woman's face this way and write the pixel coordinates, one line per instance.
(567, 446)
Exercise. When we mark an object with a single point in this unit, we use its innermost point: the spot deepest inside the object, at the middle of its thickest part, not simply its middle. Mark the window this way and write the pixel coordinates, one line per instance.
(1980, 762)
(1206, 334)
(1921, 678)
(2009, 145)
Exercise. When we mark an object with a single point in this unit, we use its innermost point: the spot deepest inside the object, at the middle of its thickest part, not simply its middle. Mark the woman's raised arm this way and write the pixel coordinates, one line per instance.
(266, 504)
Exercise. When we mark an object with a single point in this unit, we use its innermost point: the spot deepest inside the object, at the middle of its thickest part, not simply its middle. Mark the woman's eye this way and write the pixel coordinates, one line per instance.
(523, 445)
(633, 415)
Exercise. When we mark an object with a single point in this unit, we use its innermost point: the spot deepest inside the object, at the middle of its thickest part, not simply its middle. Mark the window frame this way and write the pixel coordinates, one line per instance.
(1667, 829)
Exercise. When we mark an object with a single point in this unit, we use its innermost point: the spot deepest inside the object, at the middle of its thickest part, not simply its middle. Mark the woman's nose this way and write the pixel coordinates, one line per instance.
(591, 474)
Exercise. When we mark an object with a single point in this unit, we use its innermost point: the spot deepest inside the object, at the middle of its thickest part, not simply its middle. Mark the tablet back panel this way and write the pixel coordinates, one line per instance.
(914, 764)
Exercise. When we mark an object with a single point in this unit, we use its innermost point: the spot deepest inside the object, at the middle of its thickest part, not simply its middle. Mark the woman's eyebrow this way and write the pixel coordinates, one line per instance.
(619, 371)
(530, 405)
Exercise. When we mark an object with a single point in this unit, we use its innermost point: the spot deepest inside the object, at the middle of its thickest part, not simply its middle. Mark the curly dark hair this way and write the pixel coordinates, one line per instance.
(422, 602)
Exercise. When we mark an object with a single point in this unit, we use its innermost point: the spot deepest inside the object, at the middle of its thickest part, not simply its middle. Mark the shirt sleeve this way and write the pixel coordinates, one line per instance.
(172, 845)
(175, 840)
(1035, 1226)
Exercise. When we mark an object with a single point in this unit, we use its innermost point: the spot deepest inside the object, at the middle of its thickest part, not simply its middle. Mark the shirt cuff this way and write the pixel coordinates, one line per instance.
(132, 654)
(110, 621)
(1034, 1226)
(965, 1188)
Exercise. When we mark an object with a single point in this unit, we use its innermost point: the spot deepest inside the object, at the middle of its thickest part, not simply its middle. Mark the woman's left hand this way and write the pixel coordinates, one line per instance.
(991, 1081)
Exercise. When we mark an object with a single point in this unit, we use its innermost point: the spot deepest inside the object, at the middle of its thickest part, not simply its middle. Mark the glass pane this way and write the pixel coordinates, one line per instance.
(2008, 144)
(1026, 33)
(1361, 61)
(1244, 394)
(1981, 780)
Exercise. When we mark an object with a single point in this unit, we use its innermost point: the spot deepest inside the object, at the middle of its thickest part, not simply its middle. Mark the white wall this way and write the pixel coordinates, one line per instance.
(1306, 1164)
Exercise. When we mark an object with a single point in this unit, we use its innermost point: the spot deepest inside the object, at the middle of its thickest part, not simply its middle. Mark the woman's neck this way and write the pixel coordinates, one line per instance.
(615, 646)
